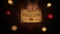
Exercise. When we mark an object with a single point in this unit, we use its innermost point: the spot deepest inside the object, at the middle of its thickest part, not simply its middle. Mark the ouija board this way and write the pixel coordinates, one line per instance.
(31, 16)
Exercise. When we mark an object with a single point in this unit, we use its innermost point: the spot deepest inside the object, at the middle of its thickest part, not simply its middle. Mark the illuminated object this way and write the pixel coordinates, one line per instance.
(10, 2)
(31, 15)
(8, 12)
(50, 16)
(49, 4)
(14, 28)
(44, 29)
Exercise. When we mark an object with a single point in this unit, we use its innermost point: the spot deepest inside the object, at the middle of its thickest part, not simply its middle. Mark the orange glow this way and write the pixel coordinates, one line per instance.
(14, 28)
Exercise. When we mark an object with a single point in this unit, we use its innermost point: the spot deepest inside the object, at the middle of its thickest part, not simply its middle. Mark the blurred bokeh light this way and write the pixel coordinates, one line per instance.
(10, 2)
(49, 4)
(8, 12)
(50, 16)
(14, 28)
(44, 29)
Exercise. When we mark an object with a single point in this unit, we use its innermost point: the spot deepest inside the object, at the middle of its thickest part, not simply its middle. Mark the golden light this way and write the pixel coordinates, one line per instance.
(10, 2)
(14, 28)
(49, 4)
(44, 29)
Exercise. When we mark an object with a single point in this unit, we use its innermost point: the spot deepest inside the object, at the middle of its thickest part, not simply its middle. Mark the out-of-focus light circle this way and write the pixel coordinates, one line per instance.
(10, 2)
(49, 4)
(14, 28)
(8, 12)
(44, 29)
(50, 16)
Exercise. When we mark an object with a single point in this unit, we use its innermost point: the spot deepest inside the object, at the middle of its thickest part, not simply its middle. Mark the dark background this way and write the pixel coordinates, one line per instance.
(6, 21)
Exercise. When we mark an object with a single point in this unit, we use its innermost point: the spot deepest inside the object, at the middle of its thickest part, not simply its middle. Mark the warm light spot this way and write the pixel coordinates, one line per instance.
(14, 28)
(50, 16)
(44, 29)
(49, 4)
(8, 12)
(10, 2)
